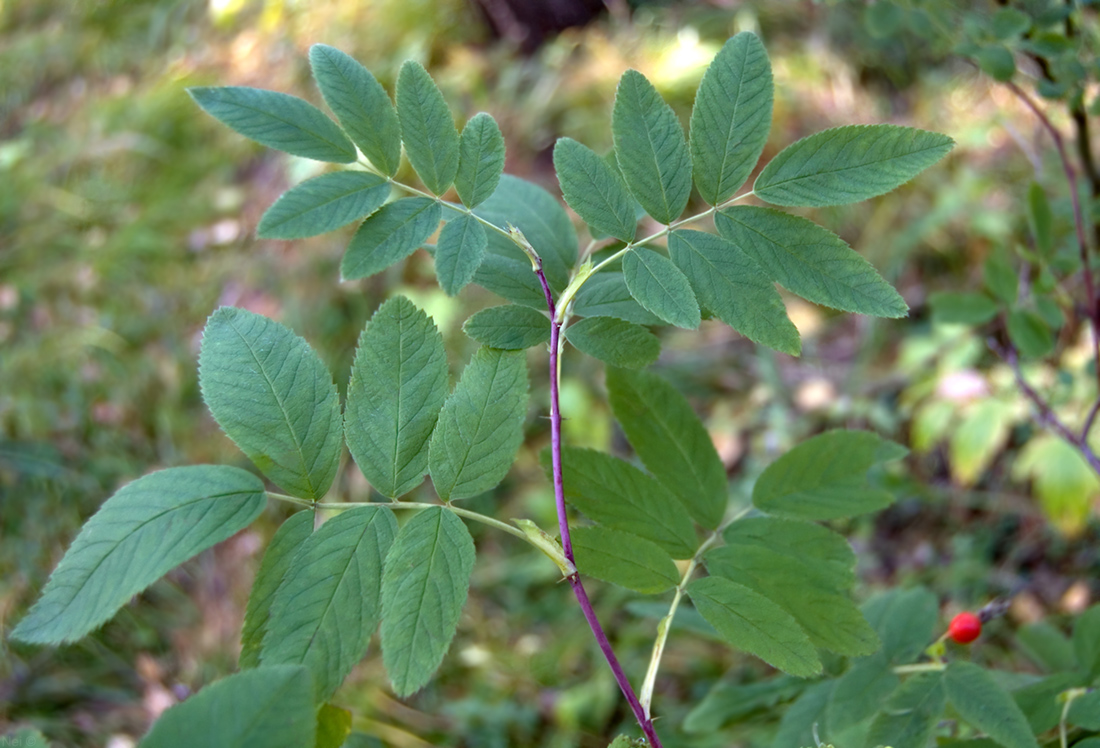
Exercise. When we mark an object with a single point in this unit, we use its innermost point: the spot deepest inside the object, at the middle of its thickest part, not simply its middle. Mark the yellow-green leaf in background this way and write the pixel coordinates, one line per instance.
(1063, 481)
(977, 440)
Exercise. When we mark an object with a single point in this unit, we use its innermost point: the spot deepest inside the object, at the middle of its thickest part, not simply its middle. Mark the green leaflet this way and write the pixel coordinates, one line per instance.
(807, 711)
(607, 295)
(620, 496)
(733, 286)
(614, 341)
(510, 278)
(333, 726)
(826, 552)
(624, 559)
(328, 605)
(848, 164)
(659, 286)
(277, 120)
(480, 159)
(361, 104)
(1030, 334)
(980, 701)
(323, 204)
(671, 441)
(905, 621)
(957, 308)
(273, 396)
(423, 590)
(543, 220)
(860, 692)
(911, 714)
(731, 117)
(1086, 640)
(650, 148)
(810, 261)
(144, 530)
(510, 327)
(1040, 218)
(1047, 647)
(458, 253)
(390, 235)
(730, 701)
(280, 552)
(826, 477)
(594, 190)
(481, 425)
(755, 624)
(398, 385)
(427, 128)
(271, 707)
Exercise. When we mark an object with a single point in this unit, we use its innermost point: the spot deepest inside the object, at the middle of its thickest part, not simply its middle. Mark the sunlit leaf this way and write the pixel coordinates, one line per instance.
(145, 530)
(977, 439)
(333, 726)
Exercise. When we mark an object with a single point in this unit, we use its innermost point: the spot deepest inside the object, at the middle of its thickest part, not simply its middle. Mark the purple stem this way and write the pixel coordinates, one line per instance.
(563, 527)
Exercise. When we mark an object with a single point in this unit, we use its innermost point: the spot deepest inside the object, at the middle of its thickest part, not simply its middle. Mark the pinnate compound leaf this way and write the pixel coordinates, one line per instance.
(389, 236)
(650, 148)
(618, 495)
(328, 605)
(333, 726)
(277, 559)
(481, 425)
(594, 190)
(614, 341)
(659, 286)
(427, 127)
(911, 714)
(398, 386)
(360, 103)
(826, 477)
(753, 623)
(270, 707)
(982, 703)
(735, 288)
(273, 396)
(543, 220)
(671, 441)
(511, 327)
(480, 160)
(458, 253)
(810, 261)
(731, 117)
(607, 295)
(142, 532)
(848, 164)
(623, 559)
(277, 120)
(323, 204)
(423, 590)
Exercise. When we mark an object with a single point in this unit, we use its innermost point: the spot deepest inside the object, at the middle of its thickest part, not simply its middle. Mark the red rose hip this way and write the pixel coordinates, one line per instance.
(965, 628)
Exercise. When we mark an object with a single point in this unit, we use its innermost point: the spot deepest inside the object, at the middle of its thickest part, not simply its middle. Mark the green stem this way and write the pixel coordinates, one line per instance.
(924, 667)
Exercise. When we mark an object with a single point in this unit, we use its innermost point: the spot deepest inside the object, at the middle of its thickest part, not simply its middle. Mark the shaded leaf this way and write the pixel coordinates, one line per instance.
(911, 714)
(623, 559)
(731, 117)
(659, 286)
(323, 204)
(328, 605)
(981, 702)
(427, 128)
(614, 341)
(142, 532)
(1086, 641)
(797, 726)
(905, 621)
(620, 496)
(810, 261)
(458, 253)
(956, 308)
(361, 104)
(607, 295)
(860, 691)
(848, 164)
(510, 278)
(1000, 276)
(390, 235)
(399, 382)
(277, 558)
(735, 288)
(728, 702)
(424, 588)
(650, 148)
(273, 396)
(510, 327)
(270, 707)
(824, 478)
(997, 62)
(1046, 646)
(594, 190)
(1030, 334)
(754, 624)
(480, 160)
(671, 441)
(1040, 218)
(481, 425)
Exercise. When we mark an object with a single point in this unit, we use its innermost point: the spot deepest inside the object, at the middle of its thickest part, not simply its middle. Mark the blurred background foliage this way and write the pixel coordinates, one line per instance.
(127, 216)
